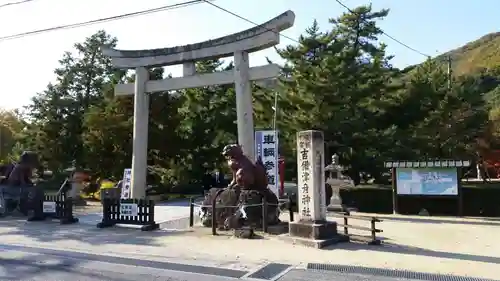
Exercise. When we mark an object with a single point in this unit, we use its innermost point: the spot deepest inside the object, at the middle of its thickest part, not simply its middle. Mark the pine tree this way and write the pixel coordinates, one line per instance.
(58, 112)
(338, 80)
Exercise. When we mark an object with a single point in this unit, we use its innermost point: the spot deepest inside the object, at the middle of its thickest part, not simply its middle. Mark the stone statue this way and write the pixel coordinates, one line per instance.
(252, 175)
(22, 172)
(18, 187)
(243, 195)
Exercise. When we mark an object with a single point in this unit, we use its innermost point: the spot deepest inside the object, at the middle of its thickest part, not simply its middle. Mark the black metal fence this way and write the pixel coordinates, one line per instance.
(57, 206)
(128, 211)
(287, 203)
(32, 201)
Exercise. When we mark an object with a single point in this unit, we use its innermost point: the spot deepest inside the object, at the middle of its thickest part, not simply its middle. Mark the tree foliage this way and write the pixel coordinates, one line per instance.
(339, 80)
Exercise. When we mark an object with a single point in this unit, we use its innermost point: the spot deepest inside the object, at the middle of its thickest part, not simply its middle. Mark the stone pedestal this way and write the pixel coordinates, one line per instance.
(335, 200)
(312, 229)
(314, 234)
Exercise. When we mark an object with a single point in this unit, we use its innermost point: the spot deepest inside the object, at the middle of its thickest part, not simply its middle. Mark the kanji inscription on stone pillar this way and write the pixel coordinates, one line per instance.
(311, 175)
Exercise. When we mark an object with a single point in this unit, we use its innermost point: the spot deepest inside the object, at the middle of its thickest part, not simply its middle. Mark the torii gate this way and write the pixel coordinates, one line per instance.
(238, 45)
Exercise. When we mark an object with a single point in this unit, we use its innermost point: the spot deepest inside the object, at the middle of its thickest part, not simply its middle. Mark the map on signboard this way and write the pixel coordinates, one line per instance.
(427, 181)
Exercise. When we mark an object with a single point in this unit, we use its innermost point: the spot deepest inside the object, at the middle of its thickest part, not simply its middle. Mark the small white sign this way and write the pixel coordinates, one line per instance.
(49, 207)
(127, 181)
(128, 209)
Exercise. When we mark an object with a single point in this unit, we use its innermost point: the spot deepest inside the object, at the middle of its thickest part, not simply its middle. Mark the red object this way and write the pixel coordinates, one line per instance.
(281, 174)
(491, 161)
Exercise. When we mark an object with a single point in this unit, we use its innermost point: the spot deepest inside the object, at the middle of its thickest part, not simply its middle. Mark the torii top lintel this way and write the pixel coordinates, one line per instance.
(254, 39)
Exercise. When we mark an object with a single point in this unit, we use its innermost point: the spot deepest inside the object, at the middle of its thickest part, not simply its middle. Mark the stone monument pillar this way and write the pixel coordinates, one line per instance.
(312, 228)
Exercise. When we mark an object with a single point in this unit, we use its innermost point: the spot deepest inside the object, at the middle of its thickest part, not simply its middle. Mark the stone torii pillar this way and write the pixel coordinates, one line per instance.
(238, 45)
(140, 134)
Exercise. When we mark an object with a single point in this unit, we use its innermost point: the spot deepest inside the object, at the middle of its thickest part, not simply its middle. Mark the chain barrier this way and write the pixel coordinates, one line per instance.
(214, 206)
(218, 206)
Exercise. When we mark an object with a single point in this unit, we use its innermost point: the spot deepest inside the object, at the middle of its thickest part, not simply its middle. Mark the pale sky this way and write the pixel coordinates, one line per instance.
(27, 64)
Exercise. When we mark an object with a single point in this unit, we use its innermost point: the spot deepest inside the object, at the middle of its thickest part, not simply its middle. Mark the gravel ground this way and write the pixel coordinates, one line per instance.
(425, 244)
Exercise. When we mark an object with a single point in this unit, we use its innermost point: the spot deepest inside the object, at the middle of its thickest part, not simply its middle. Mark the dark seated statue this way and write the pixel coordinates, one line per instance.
(243, 197)
(17, 190)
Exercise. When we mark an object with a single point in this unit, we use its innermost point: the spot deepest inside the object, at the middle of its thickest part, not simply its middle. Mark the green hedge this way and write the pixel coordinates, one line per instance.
(369, 200)
(477, 201)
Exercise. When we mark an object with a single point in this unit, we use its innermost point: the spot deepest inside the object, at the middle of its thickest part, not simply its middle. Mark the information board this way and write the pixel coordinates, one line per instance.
(427, 181)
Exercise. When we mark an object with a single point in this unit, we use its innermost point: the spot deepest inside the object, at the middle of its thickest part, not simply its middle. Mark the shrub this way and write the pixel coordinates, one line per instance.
(477, 201)
(369, 200)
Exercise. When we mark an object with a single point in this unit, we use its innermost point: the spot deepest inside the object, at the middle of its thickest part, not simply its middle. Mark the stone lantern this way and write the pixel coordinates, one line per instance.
(335, 180)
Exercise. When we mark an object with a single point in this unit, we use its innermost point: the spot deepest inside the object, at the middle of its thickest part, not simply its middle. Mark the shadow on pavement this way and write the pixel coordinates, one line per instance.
(408, 250)
(52, 231)
(29, 267)
(62, 260)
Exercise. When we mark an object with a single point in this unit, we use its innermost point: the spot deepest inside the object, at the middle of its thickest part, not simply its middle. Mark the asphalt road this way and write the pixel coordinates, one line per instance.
(20, 265)
(26, 263)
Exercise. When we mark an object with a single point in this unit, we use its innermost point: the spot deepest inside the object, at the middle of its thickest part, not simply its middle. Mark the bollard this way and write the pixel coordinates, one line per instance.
(290, 207)
(191, 212)
(107, 221)
(67, 211)
(346, 223)
(264, 214)
(373, 231)
(151, 210)
(214, 217)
